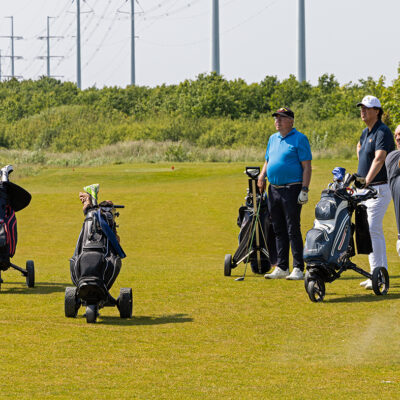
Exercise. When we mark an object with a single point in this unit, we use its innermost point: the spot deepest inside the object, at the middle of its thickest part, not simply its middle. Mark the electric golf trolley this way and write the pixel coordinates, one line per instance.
(330, 245)
(13, 198)
(254, 225)
(96, 263)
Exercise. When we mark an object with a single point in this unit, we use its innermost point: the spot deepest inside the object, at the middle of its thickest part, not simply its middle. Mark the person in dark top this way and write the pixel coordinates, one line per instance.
(392, 164)
(376, 142)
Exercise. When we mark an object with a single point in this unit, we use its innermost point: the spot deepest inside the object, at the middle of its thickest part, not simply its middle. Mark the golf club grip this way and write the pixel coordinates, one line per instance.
(118, 206)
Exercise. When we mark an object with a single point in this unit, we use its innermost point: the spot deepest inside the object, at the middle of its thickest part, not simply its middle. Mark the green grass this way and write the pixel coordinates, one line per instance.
(195, 334)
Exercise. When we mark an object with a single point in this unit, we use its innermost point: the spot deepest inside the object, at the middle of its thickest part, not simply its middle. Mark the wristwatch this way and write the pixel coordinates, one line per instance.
(304, 189)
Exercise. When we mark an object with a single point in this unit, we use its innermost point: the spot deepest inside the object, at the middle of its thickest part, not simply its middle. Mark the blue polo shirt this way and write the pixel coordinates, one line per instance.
(379, 138)
(284, 156)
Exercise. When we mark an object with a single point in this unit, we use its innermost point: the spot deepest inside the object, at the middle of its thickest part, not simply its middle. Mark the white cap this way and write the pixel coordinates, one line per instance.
(370, 102)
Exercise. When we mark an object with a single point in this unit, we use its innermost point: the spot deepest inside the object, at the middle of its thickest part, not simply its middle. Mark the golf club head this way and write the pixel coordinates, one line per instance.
(240, 279)
(5, 171)
(93, 191)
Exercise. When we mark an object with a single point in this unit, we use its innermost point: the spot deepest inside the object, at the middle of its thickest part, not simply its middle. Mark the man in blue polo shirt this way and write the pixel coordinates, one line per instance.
(288, 169)
(376, 142)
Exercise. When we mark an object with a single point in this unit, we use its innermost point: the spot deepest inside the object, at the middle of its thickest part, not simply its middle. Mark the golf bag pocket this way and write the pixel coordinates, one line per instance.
(363, 237)
(317, 246)
(8, 234)
(91, 264)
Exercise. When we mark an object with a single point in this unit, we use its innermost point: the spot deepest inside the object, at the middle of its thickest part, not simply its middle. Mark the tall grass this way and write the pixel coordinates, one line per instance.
(148, 151)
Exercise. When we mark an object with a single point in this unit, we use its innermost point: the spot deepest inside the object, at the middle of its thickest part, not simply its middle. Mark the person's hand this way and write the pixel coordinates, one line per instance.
(303, 197)
(261, 184)
(398, 247)
(360, 182)
(85, 200)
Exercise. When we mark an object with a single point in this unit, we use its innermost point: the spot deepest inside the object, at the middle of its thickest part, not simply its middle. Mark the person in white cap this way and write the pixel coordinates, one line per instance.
(376, 142)
(392, 164)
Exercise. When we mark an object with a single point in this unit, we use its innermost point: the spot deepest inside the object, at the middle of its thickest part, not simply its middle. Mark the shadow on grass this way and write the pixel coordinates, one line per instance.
(363, 298)
(146, 320)
(40, 288)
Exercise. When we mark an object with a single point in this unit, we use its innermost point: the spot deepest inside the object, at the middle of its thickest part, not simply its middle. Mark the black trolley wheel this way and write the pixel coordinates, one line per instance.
(92, 312)
(30, 273)
(228, 265)
(125, 303)
(380, 281)
(316, 290)
(71, 302)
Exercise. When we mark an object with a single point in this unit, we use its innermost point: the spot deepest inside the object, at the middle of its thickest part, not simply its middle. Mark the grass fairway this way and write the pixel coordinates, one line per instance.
(195, 334)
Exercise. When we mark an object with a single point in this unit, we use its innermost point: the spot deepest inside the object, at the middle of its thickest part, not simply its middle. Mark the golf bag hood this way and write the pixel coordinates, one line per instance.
(96, 262)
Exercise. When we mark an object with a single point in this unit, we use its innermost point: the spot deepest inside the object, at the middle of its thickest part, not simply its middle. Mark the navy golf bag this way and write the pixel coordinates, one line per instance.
(330, 245)
(95, 266)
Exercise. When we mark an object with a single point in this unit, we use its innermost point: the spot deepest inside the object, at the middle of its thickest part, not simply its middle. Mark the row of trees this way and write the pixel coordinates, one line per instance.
(209, 111)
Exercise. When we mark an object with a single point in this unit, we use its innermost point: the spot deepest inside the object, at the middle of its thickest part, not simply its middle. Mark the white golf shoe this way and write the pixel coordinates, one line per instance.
(368, 285)
(277, 273)
(364, 283)
(296, 275)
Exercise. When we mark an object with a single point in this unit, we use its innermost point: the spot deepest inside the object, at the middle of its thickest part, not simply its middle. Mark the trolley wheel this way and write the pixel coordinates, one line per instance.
(125, 302)
(30, 273)
(316, 290)
(92, 312)
(380, 281)
(71, 302)
(228, 265)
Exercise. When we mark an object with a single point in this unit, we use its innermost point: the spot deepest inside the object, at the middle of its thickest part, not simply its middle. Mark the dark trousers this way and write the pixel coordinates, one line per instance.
(285, 217)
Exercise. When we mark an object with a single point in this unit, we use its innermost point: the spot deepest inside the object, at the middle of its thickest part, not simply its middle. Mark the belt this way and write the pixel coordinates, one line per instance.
(378, 183)
(287, 186)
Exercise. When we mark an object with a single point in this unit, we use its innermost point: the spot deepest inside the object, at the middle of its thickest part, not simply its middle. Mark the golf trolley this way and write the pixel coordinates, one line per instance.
(329, 244)
(96, 263)
(254, 225)
(13, 198)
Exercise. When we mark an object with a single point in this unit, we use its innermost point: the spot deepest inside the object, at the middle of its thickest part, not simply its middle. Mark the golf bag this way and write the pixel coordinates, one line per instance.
(330, 240)
(256, 237)
(96, 262)
(8, 230)
(266, 235)
(12, 198)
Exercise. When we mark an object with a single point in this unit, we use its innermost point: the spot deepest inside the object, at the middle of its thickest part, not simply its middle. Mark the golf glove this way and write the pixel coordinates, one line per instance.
(303, 197)
(398, 247)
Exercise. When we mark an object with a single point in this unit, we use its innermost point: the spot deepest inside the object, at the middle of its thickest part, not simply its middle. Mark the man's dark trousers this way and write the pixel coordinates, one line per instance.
(285, 217)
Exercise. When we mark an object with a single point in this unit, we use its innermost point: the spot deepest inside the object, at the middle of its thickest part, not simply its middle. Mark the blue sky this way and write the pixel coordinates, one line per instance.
(351, 39)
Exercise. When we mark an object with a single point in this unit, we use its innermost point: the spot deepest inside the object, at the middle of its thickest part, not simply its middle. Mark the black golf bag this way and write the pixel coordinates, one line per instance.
(96, 262)
(256, 236)
(266, 235)
(13, 198)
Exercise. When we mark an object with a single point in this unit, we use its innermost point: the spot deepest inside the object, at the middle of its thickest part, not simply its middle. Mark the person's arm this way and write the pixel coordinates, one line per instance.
(303, 195)
(306, 165)
(358, 150)
(261, 177)
(376, 166)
